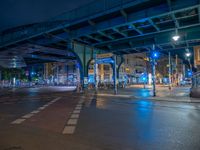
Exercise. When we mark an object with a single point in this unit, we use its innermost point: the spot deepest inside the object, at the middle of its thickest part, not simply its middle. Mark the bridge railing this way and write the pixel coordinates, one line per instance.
(94, 8)
(196, 80)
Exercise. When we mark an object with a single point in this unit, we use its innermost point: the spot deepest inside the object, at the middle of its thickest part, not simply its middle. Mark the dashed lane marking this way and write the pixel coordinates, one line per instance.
(72, 122)
(75, 116)
(78, 107)
(69, 130)
(35, 112)
(76, 111)
(18, 121)
(41, 108)
(27, 116)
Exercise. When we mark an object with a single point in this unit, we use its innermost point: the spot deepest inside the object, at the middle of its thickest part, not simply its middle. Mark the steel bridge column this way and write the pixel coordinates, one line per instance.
(84, 55)
(119, 61)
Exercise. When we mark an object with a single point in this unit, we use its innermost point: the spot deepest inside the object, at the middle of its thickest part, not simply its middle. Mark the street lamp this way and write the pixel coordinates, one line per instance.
(176, 37)
(187, 54)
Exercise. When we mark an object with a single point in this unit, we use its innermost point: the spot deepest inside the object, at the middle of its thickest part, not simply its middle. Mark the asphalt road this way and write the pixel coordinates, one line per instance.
(60, 119)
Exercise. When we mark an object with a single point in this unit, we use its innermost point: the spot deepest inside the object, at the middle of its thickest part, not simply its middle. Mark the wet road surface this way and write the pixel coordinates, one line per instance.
(60, 119)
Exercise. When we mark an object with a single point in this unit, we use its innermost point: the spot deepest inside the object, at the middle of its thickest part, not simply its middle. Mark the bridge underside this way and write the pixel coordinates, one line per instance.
(121, 27)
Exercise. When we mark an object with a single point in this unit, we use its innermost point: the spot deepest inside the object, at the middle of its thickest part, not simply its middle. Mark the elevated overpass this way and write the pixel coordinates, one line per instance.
(118, 26)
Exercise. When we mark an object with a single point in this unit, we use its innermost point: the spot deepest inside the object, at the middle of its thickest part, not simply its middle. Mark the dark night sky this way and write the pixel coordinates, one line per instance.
(20, 12)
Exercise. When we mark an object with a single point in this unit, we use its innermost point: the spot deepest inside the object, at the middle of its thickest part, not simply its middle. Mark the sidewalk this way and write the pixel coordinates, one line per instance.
(177, 94)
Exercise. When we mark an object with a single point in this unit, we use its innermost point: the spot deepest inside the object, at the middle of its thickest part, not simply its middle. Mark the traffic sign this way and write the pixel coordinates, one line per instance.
(105, 55)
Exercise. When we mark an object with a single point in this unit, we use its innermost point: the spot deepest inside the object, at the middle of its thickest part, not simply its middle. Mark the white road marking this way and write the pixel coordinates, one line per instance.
(69, 130)
(35, 112)
(27, 116)
(72, 121)
(18, 121)
(23, 118)
(77, 108)
(76, 111)
(41, 108)
(56, 99)
(74, 116)
(79, 105)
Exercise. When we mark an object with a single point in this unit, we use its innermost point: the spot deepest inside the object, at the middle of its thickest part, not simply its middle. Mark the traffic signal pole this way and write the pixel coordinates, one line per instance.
(154, 76)
(154, 71)
(170, 72)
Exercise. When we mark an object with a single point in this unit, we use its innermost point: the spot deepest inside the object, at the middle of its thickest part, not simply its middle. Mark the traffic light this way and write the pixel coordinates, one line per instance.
(155, 55)
(189, 72)
(144, 77)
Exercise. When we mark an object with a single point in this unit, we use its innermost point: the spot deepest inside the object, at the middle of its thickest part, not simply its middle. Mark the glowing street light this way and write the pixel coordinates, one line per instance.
(188, 54)
(176, 37)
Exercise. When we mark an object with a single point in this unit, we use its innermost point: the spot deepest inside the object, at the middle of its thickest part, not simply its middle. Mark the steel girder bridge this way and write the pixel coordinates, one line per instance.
(117, 26)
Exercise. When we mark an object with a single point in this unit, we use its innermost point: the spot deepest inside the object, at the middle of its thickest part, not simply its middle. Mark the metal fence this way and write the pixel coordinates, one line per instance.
(196, 80)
